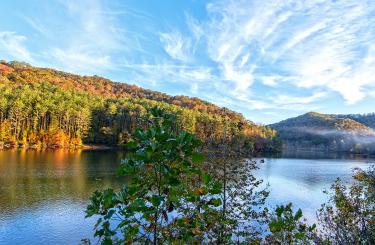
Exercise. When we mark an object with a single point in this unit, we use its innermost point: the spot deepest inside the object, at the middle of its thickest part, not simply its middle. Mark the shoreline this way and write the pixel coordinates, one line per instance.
(82, 147)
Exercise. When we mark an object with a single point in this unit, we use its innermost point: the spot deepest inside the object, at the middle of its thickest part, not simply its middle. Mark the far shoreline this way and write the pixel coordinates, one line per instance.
(81, 147)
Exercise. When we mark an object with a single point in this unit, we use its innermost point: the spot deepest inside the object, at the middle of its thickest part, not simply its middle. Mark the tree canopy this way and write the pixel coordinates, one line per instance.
(42, 107)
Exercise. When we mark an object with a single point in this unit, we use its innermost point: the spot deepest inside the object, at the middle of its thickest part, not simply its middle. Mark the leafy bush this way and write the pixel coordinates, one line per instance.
(349, 216)
(168, 197)
(287, 227)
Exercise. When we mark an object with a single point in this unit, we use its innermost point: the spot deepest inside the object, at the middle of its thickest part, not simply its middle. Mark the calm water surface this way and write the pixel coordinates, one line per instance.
(43, 195)
(302, 181)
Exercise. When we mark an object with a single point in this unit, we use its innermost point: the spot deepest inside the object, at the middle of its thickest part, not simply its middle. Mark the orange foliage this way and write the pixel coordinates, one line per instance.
(56, 138)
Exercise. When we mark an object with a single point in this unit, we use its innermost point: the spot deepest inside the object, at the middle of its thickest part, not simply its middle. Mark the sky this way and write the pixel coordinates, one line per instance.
(269, 60)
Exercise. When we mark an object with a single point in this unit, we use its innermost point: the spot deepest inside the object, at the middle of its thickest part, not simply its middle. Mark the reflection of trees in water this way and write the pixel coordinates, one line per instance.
(310, 171)
(311, 153)
(29, 177)
(313, 179)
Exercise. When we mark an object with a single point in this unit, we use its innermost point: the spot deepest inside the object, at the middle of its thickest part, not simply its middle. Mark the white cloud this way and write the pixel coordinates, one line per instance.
(36, 24)
(330, 53)
(176, 45)
(195, 27)
(93, 37)
(283, 99)
(327, 45)
(195, 77)
(299, 38)
(196, 74)
(13, 44)
(274, 81)
(241, 38)
(79, 61)
(229, 45)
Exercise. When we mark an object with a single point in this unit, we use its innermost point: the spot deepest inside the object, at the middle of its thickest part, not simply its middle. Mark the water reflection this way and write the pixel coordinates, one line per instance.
(313, 154)
(43, 194)
(27, 177)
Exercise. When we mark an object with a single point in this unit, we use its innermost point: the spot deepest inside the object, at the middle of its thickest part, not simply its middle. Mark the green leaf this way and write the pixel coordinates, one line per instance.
(98, 223)
(138, 205)
(173, 181)
(197, 157)
(110, 213)
(131, 144)
(156, 200)
(298, 214)
(173, 198)
(206, 178)
(313, 227)
(299, 235)
(139, 134)
(274, 226)
(215, 202)
(216, 188)
(108, 198)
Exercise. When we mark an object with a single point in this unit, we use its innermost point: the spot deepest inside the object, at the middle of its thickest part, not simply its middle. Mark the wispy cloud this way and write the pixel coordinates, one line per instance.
(253, 56)
(273, 80)
(36, 25)
(330, 49)
(283, 99)
(193, 76)
(12, 44)
(79, 61)
(196, 29)
(176, 46)
(93, 36)
(327, 45)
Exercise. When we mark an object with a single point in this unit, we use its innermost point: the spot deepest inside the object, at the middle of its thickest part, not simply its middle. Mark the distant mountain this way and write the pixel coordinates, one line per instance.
(327, 132)
(42, 107)
(365, 119)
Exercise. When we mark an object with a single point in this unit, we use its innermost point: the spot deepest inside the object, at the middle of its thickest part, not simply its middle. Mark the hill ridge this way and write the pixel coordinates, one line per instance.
(329, 132)
(106, 87)
(44, 106)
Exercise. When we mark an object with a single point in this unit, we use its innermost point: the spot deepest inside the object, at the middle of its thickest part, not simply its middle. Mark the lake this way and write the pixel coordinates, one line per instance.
(43, 194)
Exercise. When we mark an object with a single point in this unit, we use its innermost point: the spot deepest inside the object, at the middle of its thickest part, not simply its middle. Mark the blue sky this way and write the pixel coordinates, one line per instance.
(266, 59)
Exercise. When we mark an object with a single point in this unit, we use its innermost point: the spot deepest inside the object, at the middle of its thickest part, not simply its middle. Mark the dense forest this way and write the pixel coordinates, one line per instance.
(326, 132)
(366, 119)
(42, 107)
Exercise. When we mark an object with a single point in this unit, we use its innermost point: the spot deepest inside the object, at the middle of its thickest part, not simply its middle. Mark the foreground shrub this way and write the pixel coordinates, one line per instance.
(287, 227)
(349, 216)
(168, 197)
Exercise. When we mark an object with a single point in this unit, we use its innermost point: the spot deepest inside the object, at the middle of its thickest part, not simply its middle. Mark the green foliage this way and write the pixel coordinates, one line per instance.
(349, 216)
(165, 199)
(42, 114)
(47, 108)
(287, 227)
(243, 213)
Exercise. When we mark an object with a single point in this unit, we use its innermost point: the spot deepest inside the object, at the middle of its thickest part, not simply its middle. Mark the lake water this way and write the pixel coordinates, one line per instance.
(43, 195)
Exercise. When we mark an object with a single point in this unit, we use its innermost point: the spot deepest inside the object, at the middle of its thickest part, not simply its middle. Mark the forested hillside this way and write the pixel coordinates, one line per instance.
(337, 133)
(365, 119)
(42, 107)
